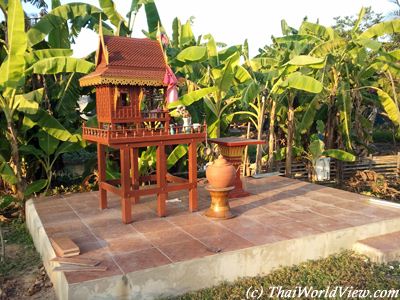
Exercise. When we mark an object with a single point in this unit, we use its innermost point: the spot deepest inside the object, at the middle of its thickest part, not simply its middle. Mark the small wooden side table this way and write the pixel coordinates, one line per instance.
(232, 149)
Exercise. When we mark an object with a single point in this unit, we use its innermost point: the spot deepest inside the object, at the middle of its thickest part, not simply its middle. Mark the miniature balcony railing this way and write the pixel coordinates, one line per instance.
(142, 134)
(127, 113)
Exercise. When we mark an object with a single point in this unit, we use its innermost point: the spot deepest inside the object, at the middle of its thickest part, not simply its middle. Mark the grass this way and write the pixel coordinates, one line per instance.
(345, 269)
(20, 251)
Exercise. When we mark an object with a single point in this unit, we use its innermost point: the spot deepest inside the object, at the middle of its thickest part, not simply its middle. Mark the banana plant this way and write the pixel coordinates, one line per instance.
(21, 61)
(221, 72)
(316, 151)
(49, 150)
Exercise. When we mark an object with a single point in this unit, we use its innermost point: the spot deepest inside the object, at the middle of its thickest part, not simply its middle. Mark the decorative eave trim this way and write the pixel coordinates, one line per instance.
(98, 80)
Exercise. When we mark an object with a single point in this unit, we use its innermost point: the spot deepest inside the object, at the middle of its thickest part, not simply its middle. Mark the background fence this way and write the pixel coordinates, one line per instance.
(387, 165)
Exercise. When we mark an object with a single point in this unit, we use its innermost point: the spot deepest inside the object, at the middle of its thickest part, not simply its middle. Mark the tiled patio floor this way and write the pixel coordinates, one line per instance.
(279, 209)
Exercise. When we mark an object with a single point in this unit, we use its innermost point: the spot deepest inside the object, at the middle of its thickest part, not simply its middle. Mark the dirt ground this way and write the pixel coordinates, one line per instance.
(22, 276)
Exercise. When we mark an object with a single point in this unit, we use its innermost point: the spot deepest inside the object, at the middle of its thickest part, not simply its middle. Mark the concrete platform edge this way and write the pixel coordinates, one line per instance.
(178, 278)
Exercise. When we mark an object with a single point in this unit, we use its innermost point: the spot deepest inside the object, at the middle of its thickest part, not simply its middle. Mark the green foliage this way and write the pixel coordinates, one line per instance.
(57, 65)
(332, 75)
(176, 154)
(381, 29)
(339, 154)
(12, 69)
(55, 19)
(192, 54)
(115, 18)
(7, 173)
(302, 82)
(35, 187)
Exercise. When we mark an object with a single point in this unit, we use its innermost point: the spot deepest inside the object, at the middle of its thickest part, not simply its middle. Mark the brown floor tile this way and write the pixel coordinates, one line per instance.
(225, 242)
(106, 217)
(239, 225)
(188, 219)
(77, 236)
(301, 215)
(296, 229)
(56, 202)
(246, 209)
(328, 211)
(92, 249)
(203, 230)
(272, 219)
(141, 213)
(127, 243)
(284, 205)
(66, 226)
(54, 217)
(185, 250)
(260, 235)
(369, 210)
(49, 210)
(113, 231)
(142, 259)
(167, 236)
(385, 243)
(326, 198)
(325, 224)
(112, 270)
(152, 225)
(355, 219)
(308, 202)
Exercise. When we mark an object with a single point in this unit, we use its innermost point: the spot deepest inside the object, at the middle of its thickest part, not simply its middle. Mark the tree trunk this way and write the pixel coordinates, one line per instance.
(329, 138)
(246, 154)
(271, 138)
(261, 119)
(16, 161)
(289, 140)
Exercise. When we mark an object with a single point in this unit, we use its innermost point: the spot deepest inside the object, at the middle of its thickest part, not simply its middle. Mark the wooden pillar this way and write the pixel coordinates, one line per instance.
(161, 180)
(125, 186)
(101, 161)
(135, 172)
(193, 176)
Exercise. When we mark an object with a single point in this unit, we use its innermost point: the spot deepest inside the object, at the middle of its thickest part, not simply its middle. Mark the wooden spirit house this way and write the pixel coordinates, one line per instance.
(131, 85)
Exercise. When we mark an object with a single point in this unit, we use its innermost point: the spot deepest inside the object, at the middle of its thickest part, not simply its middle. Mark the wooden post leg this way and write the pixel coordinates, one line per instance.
(135, 172)
(193, 176)
(125, 186)
(101, 159)
(161, 180)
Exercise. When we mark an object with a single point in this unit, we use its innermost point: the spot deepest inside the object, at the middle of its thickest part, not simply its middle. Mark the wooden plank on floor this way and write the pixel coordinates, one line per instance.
(79, 261)
(64, 247)
(79, 269)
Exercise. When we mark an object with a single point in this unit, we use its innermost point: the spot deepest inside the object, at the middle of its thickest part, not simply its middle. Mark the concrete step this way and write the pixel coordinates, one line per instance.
(381, 248)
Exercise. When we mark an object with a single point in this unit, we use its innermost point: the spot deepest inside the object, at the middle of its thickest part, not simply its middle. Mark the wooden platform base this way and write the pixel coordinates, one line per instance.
(129, 187)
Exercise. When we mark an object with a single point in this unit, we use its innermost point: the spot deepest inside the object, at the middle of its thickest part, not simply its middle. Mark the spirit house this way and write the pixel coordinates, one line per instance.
(132, 80)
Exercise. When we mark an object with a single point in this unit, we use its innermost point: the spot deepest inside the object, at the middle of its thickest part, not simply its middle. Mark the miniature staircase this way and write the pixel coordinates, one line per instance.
(381, 248)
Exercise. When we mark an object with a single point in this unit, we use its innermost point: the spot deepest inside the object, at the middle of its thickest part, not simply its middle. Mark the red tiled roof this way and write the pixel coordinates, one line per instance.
(129, 61)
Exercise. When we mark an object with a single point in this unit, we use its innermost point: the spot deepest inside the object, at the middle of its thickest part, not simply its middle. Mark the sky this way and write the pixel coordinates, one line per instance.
(232, 21)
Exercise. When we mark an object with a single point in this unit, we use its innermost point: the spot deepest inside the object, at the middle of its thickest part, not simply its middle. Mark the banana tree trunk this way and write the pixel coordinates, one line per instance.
(261, 119)
(289, 146)
(271, 138)
(246, 170)
(329, 127)
(16, 159)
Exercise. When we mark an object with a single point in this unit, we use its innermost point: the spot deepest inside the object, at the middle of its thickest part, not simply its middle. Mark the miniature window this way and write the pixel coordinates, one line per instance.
(153, 99)
(124, 99)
